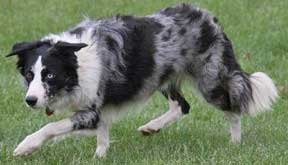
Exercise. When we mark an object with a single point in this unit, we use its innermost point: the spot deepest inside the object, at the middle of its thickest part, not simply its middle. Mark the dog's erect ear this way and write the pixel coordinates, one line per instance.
(66, 46)
(21, 47)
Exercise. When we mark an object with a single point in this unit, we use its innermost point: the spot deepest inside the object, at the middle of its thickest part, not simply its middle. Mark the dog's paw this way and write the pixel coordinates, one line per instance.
(235, 140)
(101, 151)
(148, 129)
(27, 146)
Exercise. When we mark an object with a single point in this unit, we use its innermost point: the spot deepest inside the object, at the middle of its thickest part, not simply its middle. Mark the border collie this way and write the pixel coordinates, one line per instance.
(100, 69)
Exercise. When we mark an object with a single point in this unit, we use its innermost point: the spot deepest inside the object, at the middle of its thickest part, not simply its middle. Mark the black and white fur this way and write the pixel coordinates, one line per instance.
(103, 68)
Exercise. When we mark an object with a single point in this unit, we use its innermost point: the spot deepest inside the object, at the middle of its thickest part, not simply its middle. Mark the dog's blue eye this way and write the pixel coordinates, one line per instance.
(50, 76)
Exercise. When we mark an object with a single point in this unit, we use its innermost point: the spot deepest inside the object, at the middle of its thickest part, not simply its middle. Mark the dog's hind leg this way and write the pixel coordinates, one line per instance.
(235, 125)
(178, 106)
(217, 94)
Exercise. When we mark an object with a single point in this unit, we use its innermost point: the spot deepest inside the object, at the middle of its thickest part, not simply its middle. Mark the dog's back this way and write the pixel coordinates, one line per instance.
(144, 54)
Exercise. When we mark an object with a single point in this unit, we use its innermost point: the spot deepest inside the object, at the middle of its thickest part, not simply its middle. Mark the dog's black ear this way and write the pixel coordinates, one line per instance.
(66, 46)
(21, 47)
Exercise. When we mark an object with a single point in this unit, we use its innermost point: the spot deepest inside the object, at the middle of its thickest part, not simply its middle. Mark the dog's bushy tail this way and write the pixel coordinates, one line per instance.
(253, 93)
(264, 93)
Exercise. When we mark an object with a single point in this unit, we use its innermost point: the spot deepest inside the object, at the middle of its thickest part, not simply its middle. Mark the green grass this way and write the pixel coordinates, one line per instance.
(258, 28)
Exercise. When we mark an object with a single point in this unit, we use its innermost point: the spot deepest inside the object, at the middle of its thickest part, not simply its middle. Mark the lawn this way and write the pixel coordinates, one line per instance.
(259, 31)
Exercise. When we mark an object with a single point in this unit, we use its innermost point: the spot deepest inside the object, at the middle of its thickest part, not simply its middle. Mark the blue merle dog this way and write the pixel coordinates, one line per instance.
(101, 69)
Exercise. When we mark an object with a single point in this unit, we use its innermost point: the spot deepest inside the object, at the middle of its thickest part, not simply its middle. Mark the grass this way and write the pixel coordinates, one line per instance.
(259, 31)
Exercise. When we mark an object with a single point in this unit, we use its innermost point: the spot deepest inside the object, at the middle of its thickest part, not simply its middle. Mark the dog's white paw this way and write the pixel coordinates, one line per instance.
(235, 139)
(101, 151)
(27, 146)
(149, 129)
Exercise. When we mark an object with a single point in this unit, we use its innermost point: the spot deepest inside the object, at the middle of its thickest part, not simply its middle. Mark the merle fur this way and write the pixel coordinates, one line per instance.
(137, 54)
(85, 119)
(140, 55)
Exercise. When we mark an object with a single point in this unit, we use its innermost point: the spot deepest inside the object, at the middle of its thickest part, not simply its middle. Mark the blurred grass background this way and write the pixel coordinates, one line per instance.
(259, 31)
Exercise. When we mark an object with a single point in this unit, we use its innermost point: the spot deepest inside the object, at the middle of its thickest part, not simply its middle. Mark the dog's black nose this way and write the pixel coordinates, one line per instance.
(31, 100)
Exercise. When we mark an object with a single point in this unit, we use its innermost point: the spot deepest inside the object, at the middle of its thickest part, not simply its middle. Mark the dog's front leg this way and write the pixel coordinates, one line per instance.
(81, 120)
(35, 140)
(90, 119)
(102, 139)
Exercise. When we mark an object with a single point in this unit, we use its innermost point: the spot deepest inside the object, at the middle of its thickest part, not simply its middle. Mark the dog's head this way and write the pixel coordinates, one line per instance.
(49, 70)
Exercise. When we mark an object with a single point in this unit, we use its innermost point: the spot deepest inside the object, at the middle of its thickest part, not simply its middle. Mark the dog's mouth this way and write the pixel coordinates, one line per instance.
(49, 111)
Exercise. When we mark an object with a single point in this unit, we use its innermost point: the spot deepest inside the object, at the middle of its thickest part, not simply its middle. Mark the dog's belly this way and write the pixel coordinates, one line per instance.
(112, 113)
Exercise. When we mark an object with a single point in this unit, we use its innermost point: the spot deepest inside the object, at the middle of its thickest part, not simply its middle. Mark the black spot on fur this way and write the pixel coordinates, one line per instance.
(85, 119)
(168, 70)
(167, 35)
(92, 107)
(207, 38)
(182, 31)
(137, 57)
(183, 52)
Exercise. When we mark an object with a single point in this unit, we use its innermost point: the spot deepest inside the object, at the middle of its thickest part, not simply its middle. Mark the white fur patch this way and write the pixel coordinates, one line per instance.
(28, 145)
(36, 87)
(35, 140)
(89, 73)
(264, 93)
(111, 113)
